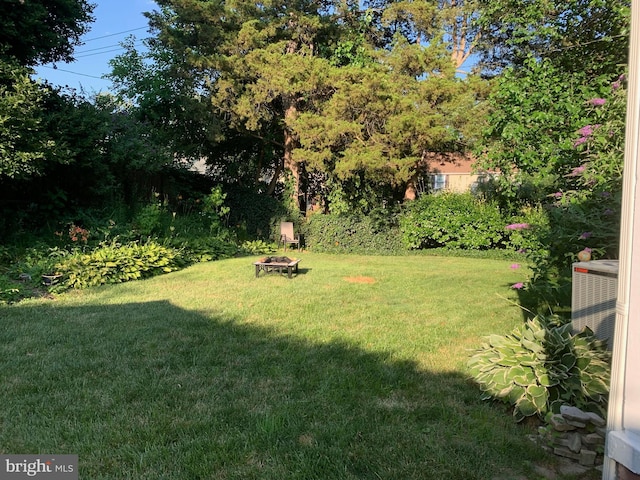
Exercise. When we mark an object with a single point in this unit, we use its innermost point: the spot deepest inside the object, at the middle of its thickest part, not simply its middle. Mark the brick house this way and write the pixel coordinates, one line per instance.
(454, 172)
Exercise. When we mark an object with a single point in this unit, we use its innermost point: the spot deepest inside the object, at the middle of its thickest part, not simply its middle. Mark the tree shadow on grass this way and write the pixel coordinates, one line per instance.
(150, 391)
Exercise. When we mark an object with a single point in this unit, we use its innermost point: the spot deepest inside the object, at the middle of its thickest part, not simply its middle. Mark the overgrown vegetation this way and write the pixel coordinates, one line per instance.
(454, 221)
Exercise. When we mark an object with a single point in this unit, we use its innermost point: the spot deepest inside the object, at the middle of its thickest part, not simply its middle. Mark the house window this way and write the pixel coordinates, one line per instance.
(438, 182)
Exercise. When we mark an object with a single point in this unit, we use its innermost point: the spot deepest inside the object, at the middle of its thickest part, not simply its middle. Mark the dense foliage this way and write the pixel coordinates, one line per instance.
(454, 221)
(42, 31)
(354, 234)
(541, 366)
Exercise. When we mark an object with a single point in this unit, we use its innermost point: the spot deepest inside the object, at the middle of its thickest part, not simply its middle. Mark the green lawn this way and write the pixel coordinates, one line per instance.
(355, 369)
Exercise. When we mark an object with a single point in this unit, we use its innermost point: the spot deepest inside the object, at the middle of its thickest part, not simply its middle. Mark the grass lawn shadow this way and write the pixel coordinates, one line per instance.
(149, 390)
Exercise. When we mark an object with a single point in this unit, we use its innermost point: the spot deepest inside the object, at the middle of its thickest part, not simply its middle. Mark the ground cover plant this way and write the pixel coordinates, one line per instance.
(353, 369)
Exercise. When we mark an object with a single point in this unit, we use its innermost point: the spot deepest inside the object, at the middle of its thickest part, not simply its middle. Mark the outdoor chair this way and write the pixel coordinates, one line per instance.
(287, 237)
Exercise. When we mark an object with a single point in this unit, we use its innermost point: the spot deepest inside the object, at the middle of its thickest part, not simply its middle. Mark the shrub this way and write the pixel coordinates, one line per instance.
(540, 366)
(352, 234)
(9, 291)
(115, 263)
(204, 249)
(253, 213)
(257, 247)
(453, 220)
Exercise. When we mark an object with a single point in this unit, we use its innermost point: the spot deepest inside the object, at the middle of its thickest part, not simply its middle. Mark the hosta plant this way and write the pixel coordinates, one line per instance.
(542, 365)
(115, 263)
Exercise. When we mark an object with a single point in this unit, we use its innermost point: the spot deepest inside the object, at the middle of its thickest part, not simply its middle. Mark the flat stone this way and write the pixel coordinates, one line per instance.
(602, 431)
(574, 413)
(593, 439)
(575, 442)
(545, 472)
(587, 457)
(559, 423)
(565, 452)
(596, 419)
(572, 469)
(576, 423)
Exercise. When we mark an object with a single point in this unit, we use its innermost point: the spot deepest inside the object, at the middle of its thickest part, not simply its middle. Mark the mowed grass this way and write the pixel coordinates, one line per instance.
(354, 369)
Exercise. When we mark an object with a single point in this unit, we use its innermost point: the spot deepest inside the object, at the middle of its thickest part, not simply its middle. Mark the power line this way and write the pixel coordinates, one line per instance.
(113, 34)
(82, 52)
(69, 71)
(114, 48)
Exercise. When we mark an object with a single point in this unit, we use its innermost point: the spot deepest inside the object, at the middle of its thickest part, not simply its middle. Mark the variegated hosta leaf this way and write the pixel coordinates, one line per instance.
(546, 381)
(538, 396)
(526, 406)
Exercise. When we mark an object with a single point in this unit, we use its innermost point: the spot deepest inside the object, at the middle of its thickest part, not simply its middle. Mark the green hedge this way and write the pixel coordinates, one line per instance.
(352, 234)
(453, 220)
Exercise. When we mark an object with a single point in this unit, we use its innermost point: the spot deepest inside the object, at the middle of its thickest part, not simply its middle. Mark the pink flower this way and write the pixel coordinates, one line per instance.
(597, 102)
(518, 285)
(585, 235)
(580, 141)
(576, 172)
(587, 130)
(515, 266)
(517, 226)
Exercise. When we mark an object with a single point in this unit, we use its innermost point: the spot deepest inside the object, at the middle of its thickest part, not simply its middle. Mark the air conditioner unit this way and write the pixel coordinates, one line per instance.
(593, 297)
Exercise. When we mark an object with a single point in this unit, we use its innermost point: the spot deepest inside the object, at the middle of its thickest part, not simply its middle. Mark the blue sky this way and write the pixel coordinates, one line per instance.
(115, 20)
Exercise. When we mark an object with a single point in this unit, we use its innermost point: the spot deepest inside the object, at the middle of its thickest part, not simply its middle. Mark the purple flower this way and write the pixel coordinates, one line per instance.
(585, 235)
(517, 226)
(608, 211)
(586, 130)
(522, 250)
(576, 172)
(518, 285)
(616, 85)
(605, 194)
(515, 266)
(579, 141)
(587, 249)
(597, 102)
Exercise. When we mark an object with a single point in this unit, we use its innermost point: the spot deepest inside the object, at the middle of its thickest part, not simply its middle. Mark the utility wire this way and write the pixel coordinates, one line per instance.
(114, 48)
(99, 53)
(113, 34)
(82, 52)
(69, 71)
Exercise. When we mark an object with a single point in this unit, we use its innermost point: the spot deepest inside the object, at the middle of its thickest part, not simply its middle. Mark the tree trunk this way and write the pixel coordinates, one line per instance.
(290, 143)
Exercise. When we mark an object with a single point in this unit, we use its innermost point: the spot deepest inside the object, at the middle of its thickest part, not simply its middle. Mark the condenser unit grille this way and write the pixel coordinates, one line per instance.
(593, 298)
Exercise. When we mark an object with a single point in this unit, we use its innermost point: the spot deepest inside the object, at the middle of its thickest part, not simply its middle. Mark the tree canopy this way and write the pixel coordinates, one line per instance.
(42, 31)
(32, 32)
(381, 81)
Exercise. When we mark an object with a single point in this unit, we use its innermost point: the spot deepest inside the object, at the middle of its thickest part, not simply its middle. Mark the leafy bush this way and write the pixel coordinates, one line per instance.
(352, 234)
(115, 263)
(204, 249)
(257, 247)
(453, 220)
(9, 291)
(253, 213)
(150, 220)
(541, 366)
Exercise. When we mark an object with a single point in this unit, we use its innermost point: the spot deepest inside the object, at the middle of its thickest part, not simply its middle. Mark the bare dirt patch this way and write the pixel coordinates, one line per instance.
(360, 279)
